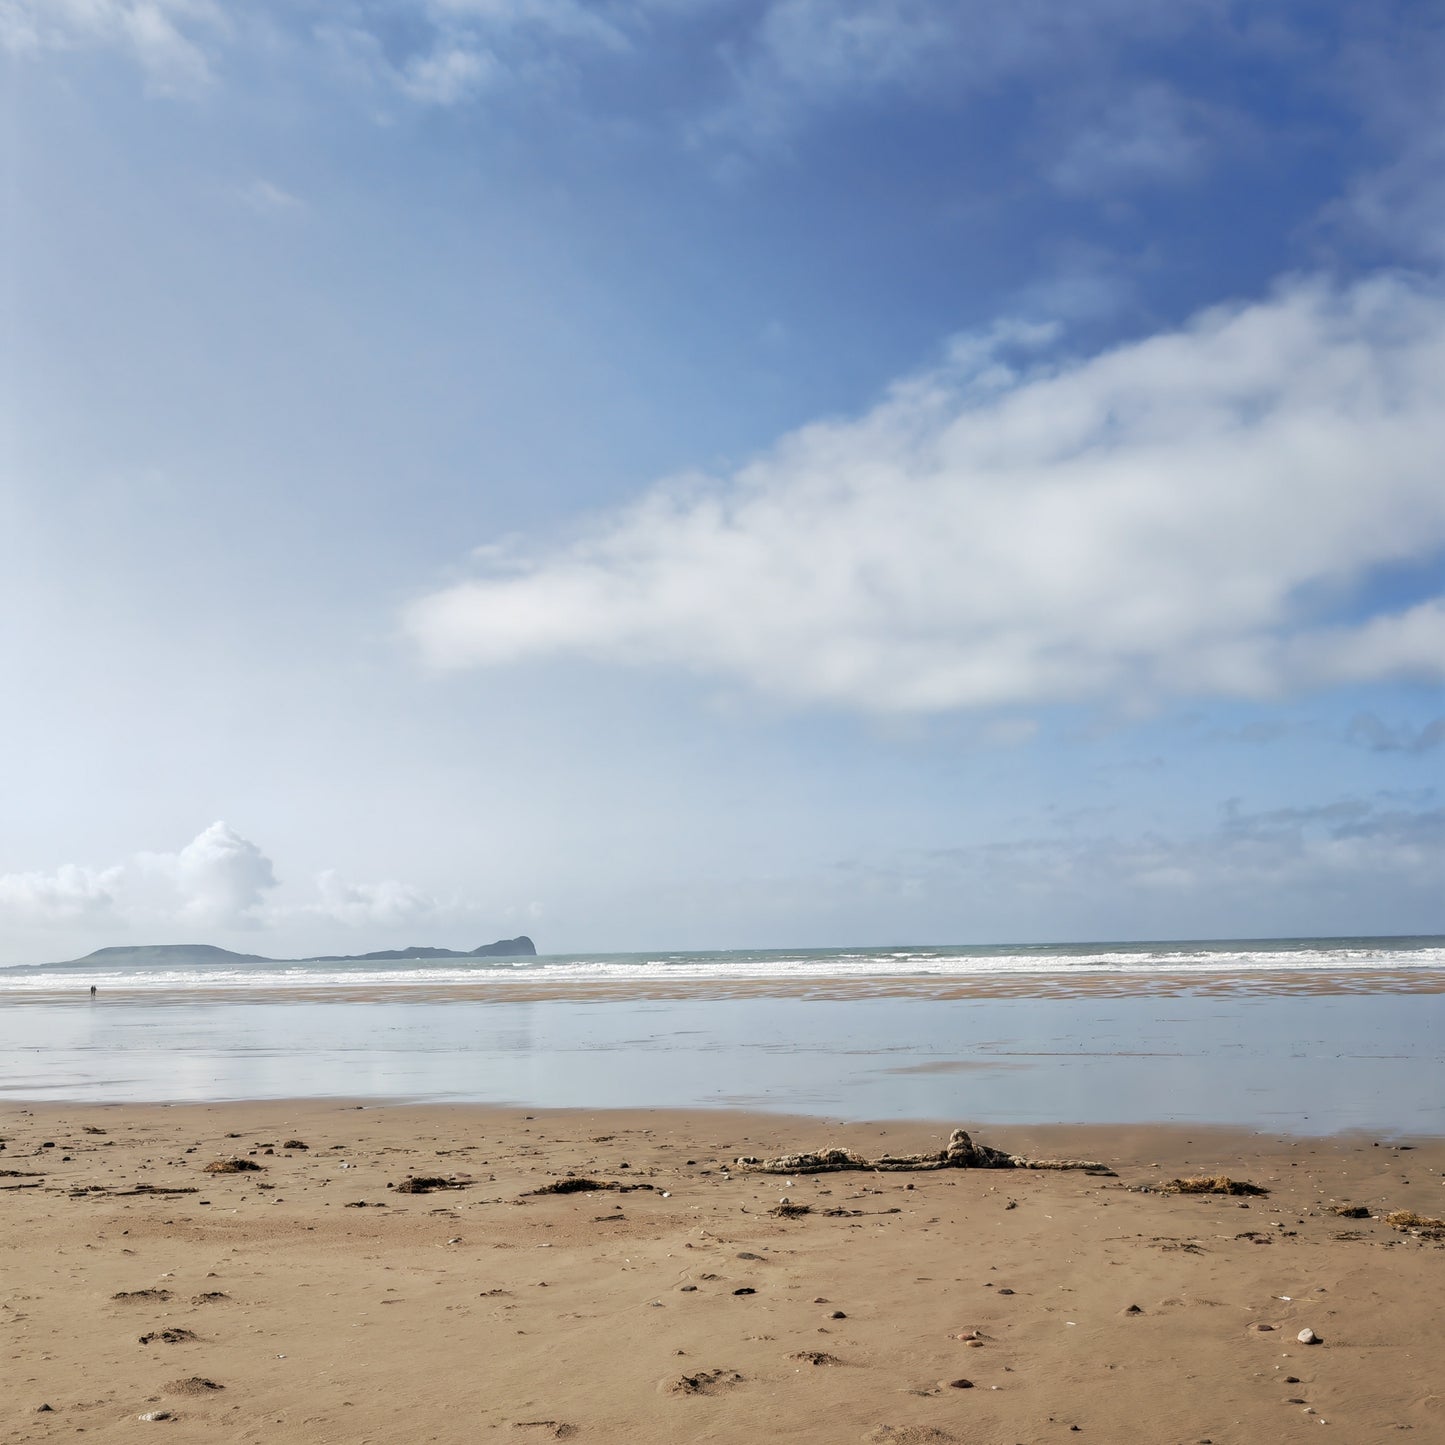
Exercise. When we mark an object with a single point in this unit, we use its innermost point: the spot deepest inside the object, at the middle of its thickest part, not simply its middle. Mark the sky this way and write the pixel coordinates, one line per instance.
(719, 473)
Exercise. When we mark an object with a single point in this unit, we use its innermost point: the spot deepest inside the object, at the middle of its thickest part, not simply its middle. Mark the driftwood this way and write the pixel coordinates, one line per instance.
(961, 1153)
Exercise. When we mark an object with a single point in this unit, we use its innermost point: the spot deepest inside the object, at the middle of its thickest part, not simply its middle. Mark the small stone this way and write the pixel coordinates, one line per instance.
(1307, 1337)
(960, 1384)
(45, 1409)
(1133, 1310)
(689, 1289)
(1005, 1291)
(837, 1315)
(155, 1415)
(746, 1289)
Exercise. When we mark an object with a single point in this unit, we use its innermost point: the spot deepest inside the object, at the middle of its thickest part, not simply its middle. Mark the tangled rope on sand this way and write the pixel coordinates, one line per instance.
(961, 1153)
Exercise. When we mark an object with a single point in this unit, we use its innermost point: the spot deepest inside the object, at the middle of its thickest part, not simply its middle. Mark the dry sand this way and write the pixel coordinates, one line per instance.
(308, 1301)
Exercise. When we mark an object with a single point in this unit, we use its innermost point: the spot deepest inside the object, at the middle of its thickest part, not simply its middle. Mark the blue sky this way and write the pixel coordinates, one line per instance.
(694, 473)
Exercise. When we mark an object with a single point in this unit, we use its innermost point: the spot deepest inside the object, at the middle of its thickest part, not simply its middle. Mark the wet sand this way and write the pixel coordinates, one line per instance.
(306, 1300)
(535, 988)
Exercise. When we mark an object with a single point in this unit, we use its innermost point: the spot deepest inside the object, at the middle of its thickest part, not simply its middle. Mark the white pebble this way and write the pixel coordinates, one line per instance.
(1308, 1337)
(155, 1415)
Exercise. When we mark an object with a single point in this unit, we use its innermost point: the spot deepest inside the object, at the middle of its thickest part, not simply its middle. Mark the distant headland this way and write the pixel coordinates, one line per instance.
(192, 955)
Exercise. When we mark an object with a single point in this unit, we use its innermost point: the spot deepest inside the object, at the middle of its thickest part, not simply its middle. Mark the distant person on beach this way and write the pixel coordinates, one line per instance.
(92, 990)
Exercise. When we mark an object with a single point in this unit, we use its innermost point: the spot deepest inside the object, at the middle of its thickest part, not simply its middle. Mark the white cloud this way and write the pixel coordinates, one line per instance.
(385, 904)
(267, 198)
(72, 894)
(447, 75)
(218, 880)
(1393, 81)
(807, 55)
(564, 19)
(1376, 861)
(169, 38)
(1149, 134)
(467, 49)
(1146, 522)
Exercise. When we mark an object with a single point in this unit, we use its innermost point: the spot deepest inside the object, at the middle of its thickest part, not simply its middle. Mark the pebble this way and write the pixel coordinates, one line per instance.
(837, 1315)
(1308, 1337)
(1005, 1291)
(155, 1415)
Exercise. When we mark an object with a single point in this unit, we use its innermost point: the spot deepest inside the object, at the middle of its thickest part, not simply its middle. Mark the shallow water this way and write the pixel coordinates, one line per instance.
(1304, 1064)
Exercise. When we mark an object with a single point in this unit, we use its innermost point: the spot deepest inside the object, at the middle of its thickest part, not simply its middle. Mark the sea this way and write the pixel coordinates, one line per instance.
(1301, 1035)
(1045, 965)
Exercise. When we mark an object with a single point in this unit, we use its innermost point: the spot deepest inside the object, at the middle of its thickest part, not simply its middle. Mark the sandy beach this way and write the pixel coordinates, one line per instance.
(313, 1299)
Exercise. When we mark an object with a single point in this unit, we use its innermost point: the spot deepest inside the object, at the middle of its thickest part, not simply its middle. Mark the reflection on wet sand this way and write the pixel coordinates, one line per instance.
(1078, 983)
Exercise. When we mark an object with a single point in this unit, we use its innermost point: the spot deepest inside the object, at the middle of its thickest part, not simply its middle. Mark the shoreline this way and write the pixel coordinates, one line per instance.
(326, 1307)
(1080, 983)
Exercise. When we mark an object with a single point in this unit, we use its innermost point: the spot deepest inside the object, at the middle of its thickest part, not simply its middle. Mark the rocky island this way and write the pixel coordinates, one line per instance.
(193, 955)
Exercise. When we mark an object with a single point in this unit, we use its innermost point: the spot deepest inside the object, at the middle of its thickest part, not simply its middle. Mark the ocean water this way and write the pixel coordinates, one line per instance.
(1305, 1036)
(1040, 963)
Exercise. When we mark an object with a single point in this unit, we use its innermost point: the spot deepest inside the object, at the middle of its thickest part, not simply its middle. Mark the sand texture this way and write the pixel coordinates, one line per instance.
(465, 1274)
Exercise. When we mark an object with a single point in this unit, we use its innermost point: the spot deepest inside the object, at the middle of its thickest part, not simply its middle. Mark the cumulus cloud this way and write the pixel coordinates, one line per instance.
(1180, 515)
(72, 894)
(218, 880)
(383, 904)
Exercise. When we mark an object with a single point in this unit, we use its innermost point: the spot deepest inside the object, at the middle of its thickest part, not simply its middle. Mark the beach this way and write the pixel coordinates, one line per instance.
(311, 1299)
(208, 1224)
